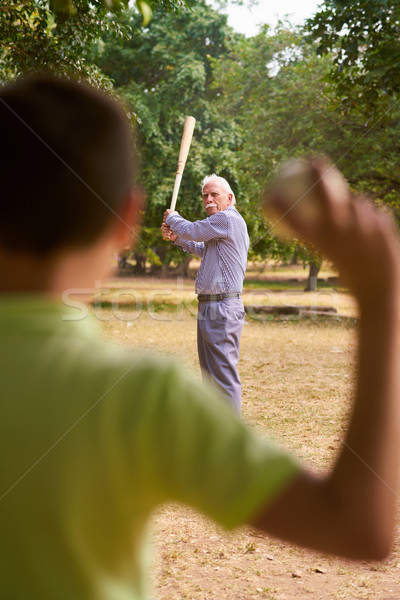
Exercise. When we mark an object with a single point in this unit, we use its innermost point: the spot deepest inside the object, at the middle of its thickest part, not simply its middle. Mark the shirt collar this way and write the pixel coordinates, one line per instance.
(42, 315)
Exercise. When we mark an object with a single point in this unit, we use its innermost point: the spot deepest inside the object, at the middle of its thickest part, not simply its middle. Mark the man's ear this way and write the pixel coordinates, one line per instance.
(230, 198)
(129, 218)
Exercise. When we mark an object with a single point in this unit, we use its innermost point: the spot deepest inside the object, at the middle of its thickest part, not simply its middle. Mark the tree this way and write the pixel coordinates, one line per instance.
(270, 88)
(364, 37)
(59, 35)
(275, 87)
(164, 73)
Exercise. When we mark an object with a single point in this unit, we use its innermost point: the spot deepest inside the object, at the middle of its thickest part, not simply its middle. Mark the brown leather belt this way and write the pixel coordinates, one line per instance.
(217, 297)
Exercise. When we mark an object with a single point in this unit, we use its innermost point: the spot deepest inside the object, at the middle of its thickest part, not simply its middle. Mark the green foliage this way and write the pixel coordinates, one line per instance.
(33, 38)
(257, 101)
(364, 37)
(275, 88)
(59, 35)
(266, 92)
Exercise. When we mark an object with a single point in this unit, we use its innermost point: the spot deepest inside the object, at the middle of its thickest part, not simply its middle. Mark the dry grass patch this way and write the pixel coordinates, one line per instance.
(177, 294)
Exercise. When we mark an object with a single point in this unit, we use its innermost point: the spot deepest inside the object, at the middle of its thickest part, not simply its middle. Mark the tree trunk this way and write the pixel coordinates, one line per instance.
(140, 264)
(183, 268)
(164, 270)
(313, 276)
(160, 269)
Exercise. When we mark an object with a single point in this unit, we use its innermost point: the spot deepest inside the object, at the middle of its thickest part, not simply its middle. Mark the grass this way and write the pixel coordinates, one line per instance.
(176, 294)
(297, 380)
(278, 284)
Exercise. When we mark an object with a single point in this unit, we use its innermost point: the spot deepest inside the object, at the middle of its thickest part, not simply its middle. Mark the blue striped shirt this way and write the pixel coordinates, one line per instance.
(222, 243)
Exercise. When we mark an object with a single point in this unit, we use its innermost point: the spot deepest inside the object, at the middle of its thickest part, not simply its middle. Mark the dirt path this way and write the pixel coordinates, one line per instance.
(198, 561)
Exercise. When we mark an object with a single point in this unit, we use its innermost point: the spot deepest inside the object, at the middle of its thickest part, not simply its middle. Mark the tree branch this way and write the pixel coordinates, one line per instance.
(15, 6)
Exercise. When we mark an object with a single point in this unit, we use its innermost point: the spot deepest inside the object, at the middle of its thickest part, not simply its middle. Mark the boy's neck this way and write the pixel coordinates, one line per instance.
(25, 274)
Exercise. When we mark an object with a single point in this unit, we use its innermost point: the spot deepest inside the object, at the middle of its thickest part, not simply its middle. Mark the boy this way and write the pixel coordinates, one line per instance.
(93, 438)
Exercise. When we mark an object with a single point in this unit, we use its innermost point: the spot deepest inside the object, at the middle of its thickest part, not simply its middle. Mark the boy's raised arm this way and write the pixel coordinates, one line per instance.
(350, 512)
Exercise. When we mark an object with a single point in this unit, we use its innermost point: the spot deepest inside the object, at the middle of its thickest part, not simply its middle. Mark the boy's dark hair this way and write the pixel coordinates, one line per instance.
(66, 164)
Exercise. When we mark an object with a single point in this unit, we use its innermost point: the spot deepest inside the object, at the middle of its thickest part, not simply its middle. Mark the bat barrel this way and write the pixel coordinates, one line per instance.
(187, 135)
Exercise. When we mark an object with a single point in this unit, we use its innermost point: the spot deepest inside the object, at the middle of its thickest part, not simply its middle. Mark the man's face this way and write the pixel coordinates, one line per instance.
(215, 198)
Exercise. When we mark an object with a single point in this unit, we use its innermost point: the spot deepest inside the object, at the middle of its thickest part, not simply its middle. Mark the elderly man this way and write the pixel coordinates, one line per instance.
(222, 242)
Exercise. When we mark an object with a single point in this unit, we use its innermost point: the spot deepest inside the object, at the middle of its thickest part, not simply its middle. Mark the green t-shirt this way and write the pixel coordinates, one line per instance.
(92, 439)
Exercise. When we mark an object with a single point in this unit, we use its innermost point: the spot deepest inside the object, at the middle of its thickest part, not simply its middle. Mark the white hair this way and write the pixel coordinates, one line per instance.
(220, 180)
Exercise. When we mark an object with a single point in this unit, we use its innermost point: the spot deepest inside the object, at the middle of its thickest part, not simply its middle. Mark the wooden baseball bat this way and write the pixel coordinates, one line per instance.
(187, 135)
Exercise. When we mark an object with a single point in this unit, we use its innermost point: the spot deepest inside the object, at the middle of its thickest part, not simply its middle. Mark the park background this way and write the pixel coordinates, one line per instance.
(329, 85)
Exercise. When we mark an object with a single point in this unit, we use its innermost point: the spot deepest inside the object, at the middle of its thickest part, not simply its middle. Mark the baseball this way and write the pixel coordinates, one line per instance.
(297, 185)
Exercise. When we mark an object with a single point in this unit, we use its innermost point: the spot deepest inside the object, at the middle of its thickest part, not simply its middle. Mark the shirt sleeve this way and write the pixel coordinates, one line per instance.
(214, 227)
(196, 248)
(198, 452)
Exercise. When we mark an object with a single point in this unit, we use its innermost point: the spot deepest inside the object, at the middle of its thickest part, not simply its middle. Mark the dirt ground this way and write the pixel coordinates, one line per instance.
(297, 377)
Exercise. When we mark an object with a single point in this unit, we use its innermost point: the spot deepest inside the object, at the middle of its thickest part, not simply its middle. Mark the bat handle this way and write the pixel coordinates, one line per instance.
(178, 180)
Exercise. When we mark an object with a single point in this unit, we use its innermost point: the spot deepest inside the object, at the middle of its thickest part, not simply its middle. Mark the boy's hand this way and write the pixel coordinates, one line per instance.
(361, 241)
(350, 511)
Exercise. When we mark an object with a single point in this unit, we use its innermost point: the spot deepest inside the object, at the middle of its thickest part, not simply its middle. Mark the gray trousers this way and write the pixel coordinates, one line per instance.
(219, 327)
